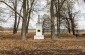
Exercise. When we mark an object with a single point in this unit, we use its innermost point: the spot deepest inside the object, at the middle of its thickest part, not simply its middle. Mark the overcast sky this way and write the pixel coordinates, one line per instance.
(79, 6)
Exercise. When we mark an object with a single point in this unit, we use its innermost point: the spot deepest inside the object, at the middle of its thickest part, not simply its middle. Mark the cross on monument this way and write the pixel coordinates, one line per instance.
(39, 29)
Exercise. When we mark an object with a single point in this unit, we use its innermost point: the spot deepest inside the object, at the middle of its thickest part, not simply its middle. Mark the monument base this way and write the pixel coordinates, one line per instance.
(39, 37)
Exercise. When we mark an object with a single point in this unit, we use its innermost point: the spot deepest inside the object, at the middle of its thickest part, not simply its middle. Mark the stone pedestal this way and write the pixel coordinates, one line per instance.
(39, 31)
(38, 37)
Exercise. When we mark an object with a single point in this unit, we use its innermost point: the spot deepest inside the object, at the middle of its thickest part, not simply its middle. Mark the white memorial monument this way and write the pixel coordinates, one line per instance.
(39, 30)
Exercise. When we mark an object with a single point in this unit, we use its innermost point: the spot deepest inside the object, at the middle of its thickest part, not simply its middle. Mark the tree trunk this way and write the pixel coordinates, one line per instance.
(29, 11)
(19, 19)
(58, 6)
(52, 19)
(68, 24)
(24, 21)
(58, 18)
(72, 26)
(15, 22)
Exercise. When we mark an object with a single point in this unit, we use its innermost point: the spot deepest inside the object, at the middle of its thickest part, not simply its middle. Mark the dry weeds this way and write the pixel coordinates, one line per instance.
(9, 41)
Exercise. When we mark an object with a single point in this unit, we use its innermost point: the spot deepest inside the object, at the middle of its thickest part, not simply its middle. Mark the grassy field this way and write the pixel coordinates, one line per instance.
(12, 42)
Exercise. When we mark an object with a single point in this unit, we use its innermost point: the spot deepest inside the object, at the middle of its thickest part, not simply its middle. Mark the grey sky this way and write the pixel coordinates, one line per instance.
(79, 6)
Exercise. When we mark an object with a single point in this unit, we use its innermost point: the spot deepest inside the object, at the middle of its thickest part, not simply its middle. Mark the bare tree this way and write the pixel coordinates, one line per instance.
(46, 23)
(29, 13)
(69, 17)
(17, 18)
(24, 21)
(12, 8)
(58, 6)
(52, 19)
(15, 22)
(25, 17)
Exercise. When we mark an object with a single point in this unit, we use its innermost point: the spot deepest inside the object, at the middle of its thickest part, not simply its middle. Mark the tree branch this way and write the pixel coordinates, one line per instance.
(12, 8)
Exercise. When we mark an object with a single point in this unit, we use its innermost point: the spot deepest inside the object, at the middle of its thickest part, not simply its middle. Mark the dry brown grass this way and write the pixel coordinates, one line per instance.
(9, 41)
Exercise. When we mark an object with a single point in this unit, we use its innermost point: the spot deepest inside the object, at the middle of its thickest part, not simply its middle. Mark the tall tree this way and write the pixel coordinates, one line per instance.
(71, 17)
(17, 17)
(15, 22)
(52, 19)
(24, 21)
(25, 17)
(29, 11)
(58, 6)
